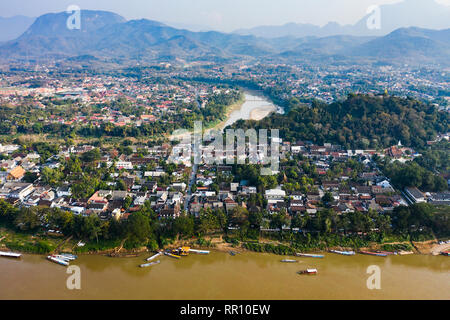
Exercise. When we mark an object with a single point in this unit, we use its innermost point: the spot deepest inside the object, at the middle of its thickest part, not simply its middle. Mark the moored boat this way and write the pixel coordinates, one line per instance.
(183, 251)
(145, 265)
(64, 257)
(172, 255)
(388, 253)
(154, 256)
(308, 271)
(307, 255)
(10, 254)
(69, 256)
(289, 261)
(446, 253)
(199, 251)
(58, 261)
(344, 253)
(374, 253)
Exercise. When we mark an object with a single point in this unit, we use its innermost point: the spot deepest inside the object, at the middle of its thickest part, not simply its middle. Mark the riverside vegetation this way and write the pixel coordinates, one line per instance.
(418, 222)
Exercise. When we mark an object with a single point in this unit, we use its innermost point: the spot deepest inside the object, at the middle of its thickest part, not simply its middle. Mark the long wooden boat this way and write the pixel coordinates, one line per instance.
(344, 253)
(389, 253)
(70, 256)
(172, 255)
(307, 255)
(10, 254)
(63, 257)
(145, 265)
(199, 251)
(308, 271)
(58, 261)
(154, 256)
(446, 253)
(289, 261)
(183, 251)
(374, 253)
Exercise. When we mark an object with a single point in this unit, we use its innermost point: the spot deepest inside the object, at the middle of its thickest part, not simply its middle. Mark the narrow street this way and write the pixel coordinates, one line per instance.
(191, 183)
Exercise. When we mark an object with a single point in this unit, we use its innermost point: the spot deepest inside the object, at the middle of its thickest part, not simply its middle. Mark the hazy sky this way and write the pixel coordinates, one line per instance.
(225, 15)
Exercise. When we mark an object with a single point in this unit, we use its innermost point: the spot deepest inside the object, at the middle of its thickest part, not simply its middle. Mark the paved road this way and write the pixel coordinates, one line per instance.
(191, 183)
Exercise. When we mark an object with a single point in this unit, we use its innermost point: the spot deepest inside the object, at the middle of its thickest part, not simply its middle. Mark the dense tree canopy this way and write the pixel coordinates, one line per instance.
(361, 121)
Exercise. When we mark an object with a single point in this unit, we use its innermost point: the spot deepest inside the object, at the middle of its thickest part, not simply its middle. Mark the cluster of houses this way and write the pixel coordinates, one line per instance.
(145, 181)
(152, 99)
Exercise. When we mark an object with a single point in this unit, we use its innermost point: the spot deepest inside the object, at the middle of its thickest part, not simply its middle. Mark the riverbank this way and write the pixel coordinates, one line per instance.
(44, 244)
(255, 107)
(219, 125)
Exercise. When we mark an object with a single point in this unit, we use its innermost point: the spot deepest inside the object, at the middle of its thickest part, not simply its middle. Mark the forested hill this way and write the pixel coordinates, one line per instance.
(361, 121)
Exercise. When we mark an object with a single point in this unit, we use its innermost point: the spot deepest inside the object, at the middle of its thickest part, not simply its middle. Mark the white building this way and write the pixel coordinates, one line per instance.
(275, 195)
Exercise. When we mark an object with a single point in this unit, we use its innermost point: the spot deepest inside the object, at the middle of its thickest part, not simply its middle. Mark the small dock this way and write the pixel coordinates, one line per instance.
(10, 255)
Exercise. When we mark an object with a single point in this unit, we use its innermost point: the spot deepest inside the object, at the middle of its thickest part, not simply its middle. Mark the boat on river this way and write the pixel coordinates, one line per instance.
(182, 251)
(199, 251)
(446, 253)
(172, 255)
(146, 265)
(389, 253)
(69, 256)
(308, 271)
(10, 254)
(64, 257)
(378, 254)
(289, 261)
(344, 253)
(154, 256)
(307, 255)
(58, 261)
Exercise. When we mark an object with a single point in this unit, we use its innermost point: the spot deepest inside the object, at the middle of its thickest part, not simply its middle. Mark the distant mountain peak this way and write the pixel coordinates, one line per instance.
(147, 22)
(56, 23)
(421, 13)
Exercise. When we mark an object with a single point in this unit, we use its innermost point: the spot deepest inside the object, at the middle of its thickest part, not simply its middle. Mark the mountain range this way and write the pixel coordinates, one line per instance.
(107, 36)
(427, 14)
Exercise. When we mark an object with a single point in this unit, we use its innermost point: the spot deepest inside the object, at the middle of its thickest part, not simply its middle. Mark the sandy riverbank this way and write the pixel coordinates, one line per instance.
(261, 113)
(431, 247)
(230, 109)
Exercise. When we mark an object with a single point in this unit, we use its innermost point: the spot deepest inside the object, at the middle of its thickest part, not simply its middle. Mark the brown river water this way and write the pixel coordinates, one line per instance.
(222, 276)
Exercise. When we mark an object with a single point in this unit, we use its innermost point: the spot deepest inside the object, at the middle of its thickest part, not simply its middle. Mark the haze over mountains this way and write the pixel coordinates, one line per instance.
(108, 36)
(426, 14)
(13, 27)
